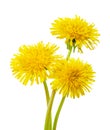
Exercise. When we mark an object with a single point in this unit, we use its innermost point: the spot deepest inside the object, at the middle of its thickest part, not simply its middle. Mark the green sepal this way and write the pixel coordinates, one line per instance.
(69, 47)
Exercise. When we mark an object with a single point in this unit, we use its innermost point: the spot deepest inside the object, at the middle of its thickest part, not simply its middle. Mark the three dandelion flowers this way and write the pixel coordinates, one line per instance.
(70, 77)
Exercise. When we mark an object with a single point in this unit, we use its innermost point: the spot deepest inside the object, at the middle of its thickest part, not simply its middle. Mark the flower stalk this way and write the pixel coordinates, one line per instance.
(46, 91)
(48, 113)
(47, 100)
(58, 113)
(69, 53)
(62, 100)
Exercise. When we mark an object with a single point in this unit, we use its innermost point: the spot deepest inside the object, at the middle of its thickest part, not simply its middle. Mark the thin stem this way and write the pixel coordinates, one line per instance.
(69, 53)
(62, 100)
(46, 91)
(47, 99)
(48, 114)
(58, 113)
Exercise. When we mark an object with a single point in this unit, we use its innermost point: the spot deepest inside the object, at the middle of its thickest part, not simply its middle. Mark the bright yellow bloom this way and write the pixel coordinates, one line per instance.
(76, 30)
(34, 62)
(73, 78)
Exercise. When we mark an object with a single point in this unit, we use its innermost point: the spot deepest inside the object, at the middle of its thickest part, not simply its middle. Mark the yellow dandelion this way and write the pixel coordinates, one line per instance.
(73, 78)
(76, 31)
(34, 62)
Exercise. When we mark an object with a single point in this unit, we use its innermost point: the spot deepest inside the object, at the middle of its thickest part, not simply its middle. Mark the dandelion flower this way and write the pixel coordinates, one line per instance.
(34, 62)
(73, 78)
(76, 31)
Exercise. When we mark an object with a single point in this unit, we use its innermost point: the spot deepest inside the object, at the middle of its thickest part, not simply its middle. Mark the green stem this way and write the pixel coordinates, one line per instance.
(69, 53)
(46, 91)
(48, 114)
(58, 113)
(62, 100)
(47, 99)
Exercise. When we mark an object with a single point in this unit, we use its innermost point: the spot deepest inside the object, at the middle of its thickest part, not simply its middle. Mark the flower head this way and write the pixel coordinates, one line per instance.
(34, 62)
(76, 31)
(72, 78)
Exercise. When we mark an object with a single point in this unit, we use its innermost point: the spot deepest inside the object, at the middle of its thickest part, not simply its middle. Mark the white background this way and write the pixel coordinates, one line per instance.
(27, 22)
